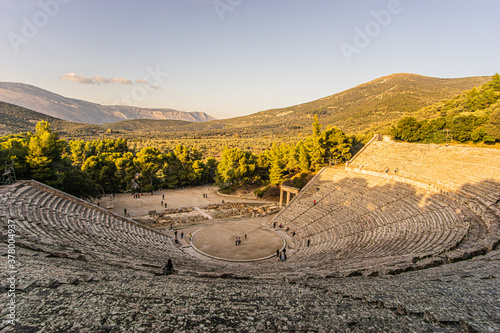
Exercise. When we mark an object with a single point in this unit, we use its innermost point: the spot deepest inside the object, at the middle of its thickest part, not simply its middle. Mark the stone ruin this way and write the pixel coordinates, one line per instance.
(411, 249)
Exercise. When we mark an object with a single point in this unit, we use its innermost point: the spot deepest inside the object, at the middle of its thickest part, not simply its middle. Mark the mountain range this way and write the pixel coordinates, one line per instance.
(75, 110)
(367, 108)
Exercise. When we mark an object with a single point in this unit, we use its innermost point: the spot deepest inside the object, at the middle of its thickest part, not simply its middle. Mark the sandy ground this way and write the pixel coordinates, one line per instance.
(187, 197)
(214, 238)
(219, 240)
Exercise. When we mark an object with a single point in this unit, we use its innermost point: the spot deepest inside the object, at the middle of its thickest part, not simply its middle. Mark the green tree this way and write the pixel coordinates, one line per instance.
(45, 153)
(408, 129)
(80, 184)
(125, 171)
(277, 163)
(316, 132)
(302, 156)
(16, 150)
(236, 167)
(336, 144)
(147, 163)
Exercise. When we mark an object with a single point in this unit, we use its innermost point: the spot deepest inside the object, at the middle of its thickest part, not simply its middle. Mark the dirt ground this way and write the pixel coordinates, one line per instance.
(219, 240)
(186, 197)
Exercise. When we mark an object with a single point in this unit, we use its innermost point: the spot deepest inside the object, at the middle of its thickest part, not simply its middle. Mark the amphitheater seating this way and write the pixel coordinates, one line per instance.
(358, 216)
(60, 224)
(82, 268)
(471, 171)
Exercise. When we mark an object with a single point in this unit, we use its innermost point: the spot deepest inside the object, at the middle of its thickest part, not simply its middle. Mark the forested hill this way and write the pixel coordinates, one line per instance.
(15, 119)
(369, 107)
(473, 115)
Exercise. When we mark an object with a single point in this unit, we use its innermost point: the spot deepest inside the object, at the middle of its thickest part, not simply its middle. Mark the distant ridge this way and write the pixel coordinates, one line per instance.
(75, 110)
(363, 110)
(16, 119)
(374, 103)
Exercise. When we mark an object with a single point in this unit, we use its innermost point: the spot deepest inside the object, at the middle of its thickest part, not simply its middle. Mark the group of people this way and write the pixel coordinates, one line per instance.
(238, 240)
(281, 255)
(136, 195)
(205, 195)
(286, 230)
(182, 235)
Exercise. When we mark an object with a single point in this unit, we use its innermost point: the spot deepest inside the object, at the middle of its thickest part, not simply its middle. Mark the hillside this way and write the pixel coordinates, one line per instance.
(369, 107)
(362, 108)
(473, 115)
(75, 110)
(15, 119)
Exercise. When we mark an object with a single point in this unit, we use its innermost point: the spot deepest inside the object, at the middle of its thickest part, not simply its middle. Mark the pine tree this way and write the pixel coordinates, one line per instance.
(302, 157)
(44, 153)
(277, 164)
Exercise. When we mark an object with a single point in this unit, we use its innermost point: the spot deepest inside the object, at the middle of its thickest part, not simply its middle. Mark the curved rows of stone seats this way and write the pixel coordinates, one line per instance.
(467, 175)
(367, 220)
(60, 224)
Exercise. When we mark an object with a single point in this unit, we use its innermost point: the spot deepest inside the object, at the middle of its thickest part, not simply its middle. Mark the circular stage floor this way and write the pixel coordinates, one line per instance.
(218, 240)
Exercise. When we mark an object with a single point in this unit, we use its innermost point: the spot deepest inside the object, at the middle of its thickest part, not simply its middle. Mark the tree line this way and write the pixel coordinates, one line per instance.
(96, 167)
(472, 116)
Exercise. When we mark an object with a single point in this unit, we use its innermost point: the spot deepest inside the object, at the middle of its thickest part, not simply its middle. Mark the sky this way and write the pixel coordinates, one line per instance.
(236, 57)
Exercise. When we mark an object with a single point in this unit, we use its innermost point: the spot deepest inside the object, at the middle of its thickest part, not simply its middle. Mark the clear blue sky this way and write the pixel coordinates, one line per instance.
(235, 57)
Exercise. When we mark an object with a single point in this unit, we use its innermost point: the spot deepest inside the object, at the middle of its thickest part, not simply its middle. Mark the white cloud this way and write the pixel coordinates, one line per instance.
(140, 81)
(77, 78)
(120, 80)
(98, 79)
